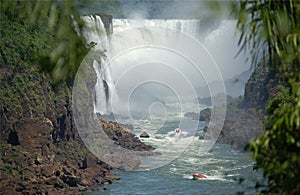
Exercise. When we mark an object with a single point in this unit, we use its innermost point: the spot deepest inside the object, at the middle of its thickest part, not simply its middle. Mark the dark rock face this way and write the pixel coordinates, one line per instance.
(243, 120)
(240, 126)
(13, 138)
(260, 87)
(203, 116)
(120, 134)
(49, 167)
(41, 152)
(107, 21)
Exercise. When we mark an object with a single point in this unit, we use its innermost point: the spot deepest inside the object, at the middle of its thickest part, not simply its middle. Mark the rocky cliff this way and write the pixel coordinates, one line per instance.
(40, 147)
(41, 151)
(261, 87)
(244, 116)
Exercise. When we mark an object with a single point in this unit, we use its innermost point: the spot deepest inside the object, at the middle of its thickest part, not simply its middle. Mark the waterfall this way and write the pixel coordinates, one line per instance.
(191, 26)
(95, 32)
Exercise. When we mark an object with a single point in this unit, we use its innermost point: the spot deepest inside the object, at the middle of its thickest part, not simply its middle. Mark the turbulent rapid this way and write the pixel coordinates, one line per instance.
(228, 171)
(158, 88)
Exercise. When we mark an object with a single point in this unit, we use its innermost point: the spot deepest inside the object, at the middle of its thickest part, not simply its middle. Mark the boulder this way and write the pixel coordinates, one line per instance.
(144, 135)
(48, 170)
(121, 135)
(54, 181)
(32, 132)
(83, 182)
(205, 129)
(71, 180)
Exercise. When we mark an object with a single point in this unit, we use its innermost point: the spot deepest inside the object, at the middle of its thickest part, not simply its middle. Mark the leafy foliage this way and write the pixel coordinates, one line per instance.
(60, 23)
(273, 28)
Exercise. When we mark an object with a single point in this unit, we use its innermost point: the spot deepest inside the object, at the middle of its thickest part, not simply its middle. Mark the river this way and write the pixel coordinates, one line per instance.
(228, 171)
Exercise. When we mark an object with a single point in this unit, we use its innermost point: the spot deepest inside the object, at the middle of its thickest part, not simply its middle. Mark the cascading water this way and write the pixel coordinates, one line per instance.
(222, 165)
(217, 41)
(95, 32)
(191, 27)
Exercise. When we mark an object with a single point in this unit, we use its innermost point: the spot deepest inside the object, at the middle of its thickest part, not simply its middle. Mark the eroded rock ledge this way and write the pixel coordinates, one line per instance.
(121, 135)
(39, 165)
(240, 125)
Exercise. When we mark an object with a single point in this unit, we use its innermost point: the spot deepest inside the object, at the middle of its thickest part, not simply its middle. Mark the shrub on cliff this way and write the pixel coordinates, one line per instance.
(45, 30)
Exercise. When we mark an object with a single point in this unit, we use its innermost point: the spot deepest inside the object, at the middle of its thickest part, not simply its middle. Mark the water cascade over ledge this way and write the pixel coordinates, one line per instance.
(95, 32)
(149, 70)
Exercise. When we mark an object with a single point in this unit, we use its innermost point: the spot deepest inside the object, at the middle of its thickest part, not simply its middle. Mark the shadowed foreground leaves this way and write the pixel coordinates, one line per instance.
(272, 29)
(60, 22)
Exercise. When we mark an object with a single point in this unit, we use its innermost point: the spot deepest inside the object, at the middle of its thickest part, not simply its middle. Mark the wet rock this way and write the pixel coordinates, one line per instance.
(20, 189)
(98, 115)
(84, 163)
(95, 189)
(122, 137)
(144, 135)
(70, 180)
(205, 129)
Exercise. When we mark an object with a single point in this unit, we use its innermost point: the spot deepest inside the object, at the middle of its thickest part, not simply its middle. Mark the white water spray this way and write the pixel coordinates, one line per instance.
(94, 33)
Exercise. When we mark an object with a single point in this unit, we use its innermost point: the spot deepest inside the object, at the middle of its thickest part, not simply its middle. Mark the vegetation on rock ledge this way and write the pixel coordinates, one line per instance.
(273, 27)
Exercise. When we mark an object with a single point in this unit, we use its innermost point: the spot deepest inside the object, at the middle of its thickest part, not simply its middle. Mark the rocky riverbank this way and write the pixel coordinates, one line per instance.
(32, 163)
(121, 135)
(37, 165)
(40, 149)
(240, 125)
(244, 115)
